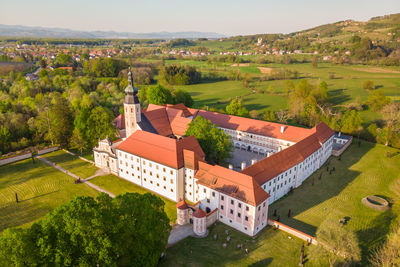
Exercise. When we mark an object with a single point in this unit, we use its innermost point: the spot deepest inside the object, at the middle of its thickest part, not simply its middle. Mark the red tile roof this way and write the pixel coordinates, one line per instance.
(270, 167)
(271, 129)
(232, 183)
(161, 149)
(323, 132)
(182, 205)
(120, 121)
(199, 213)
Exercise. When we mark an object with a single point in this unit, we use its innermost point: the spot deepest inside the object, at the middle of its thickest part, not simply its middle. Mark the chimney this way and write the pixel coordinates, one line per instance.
(282, 129)
(253, 161)
(230, 167)
(243, 165)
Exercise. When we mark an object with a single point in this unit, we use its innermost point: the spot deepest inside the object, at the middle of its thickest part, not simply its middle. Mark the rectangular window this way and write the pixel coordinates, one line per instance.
(208, 201)
(231, 211)
(247, 208)
(240, 205)
(232, 202)
(246, 218)
(222, 197)
(204, 190)
(222, 207)
(213, 194)
(238, 215)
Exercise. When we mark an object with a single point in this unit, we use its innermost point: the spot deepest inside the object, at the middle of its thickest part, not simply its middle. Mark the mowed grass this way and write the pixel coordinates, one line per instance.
(119, 186)
(40, 189)
(72, 163)
(362, 171)
(270, 248)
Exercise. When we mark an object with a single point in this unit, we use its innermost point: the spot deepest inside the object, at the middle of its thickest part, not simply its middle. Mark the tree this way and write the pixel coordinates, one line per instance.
(181, 96)
(377, 100)
(254, 114)
(314, 62)
(159, 95)
(368, 85)
(215, 143)
(99, 125)
(269, 115)
(78, 141)
(351, 122)
(131, 229)
(336, 241)
(236, 108)
(61, 121)
(179, 75)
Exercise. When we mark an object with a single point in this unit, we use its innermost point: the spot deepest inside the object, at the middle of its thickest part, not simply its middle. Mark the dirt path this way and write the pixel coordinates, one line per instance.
(76, 177)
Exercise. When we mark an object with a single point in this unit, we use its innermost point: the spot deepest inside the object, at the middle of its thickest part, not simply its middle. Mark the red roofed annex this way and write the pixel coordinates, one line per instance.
(154, 153)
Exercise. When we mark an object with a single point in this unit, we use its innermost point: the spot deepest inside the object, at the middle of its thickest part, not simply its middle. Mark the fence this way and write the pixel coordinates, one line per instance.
(15, 159)
(47, 150)
(337, 153)
(26, 156)
(292, 231)
(212, 217)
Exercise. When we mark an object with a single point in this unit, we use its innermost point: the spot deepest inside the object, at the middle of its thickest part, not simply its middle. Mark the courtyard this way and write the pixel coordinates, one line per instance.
(242, 155)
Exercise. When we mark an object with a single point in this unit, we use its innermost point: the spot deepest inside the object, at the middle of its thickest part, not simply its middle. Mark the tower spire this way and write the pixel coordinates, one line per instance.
(131, 89)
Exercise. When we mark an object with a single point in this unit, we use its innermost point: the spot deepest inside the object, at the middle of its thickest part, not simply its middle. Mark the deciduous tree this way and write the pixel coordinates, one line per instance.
(215, 143)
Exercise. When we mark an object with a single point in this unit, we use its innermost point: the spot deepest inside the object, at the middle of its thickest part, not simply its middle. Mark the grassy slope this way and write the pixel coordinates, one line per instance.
(118, 185)
(72, 163)
(40, 189)
(362, 171)
(269, 248)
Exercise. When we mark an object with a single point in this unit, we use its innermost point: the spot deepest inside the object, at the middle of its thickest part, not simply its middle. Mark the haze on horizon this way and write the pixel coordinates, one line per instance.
(221, 16)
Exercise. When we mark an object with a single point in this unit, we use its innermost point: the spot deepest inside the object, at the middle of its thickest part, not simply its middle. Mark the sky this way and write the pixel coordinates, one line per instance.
(222, 16)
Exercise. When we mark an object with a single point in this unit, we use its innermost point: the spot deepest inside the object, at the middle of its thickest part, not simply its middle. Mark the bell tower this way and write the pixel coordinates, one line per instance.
(131, 107)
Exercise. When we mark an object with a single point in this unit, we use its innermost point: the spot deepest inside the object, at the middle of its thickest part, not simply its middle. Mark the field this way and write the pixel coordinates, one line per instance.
(269, 248)
(40, 189)
(72, 163)
(118, 186)
(362, 171)
(346, 87)
(7, 67)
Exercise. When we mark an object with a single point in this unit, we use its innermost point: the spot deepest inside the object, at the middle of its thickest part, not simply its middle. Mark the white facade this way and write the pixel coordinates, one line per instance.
(295, 176)
(256, 143)
(161, 179)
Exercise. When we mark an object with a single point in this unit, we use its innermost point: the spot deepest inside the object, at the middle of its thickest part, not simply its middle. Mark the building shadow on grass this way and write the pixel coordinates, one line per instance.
(314, 191)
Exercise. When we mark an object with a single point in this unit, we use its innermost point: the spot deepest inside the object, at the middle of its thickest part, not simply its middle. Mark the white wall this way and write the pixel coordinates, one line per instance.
(156, 177)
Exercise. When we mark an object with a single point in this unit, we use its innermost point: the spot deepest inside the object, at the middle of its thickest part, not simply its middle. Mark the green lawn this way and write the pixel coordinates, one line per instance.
(40, 188)
(118, 186)
(362, 171)
(72, 163)
(347, 86)
(269, 248)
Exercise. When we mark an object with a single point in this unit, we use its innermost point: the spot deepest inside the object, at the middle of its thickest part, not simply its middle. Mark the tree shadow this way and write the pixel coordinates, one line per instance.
(338, 96)
(374, 236)
(264, 262)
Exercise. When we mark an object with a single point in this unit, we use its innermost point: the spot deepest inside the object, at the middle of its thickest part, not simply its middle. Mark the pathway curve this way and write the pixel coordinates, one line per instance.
(99, 172)
(75, 176)
(179, 232)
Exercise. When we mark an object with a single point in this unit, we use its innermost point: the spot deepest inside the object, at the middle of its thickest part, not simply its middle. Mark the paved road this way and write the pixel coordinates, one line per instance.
(75, 176)
(179, 232)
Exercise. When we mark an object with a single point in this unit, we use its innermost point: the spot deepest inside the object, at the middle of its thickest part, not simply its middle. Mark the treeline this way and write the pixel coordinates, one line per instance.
(57, 109)
(179, 75)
